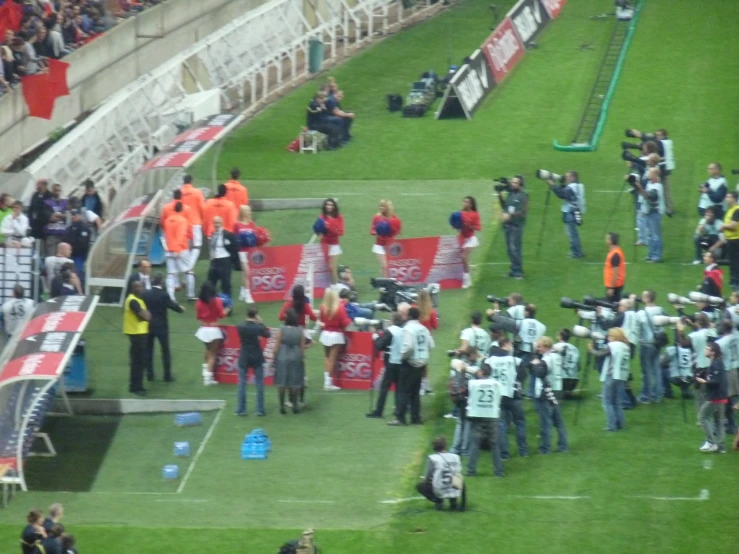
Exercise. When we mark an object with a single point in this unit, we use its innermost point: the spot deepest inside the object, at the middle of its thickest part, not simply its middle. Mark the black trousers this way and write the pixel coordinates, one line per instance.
(732, 255)
(137, 360)
(162, 335)
(616, 294)
(426, 489)
(409, 390)
(389, 378)
(220, 270)
(333, 132)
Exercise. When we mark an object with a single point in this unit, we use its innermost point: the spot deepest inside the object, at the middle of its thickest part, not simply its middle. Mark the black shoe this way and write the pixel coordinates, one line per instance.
(169, 379)
(150, 377)
(296, 410)
(374, 415)
(282, 410)
(417, 422)
(439, 506)
(140, 392)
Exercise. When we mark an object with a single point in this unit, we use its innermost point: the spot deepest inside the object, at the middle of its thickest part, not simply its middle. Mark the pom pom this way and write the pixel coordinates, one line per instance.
(319, 227)
(262, 235)
(247, 238)
(226, 299)
(455, 220)
(383, 228)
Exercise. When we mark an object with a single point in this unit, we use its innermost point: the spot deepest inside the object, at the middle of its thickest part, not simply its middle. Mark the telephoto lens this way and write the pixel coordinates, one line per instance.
(452, 353)
(499, 299)
(570, 304)
(705, 298)
(544, 175)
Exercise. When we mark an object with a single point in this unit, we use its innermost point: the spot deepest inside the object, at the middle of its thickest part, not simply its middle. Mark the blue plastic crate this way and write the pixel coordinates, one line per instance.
(253, 452)
(188, 419)
(171, 472)
(182, 449)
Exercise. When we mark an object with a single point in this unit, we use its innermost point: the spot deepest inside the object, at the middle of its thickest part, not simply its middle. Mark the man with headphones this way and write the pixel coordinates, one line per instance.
(572, 193)
(515, 206)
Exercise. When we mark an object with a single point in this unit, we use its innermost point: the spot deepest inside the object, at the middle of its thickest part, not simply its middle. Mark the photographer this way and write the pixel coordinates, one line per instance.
(713, 278)
(730, 238)
(706, 234)
(546, 371)
(570, 361)
(650, 341)
(713, 191)
(653, 207)
(474, 337)
(515, 207)
(483, 410)
(614, 376)
(389, 343)
(572, 193)
(507, 369)
(677, 369)
(729, 344)
(461, 373)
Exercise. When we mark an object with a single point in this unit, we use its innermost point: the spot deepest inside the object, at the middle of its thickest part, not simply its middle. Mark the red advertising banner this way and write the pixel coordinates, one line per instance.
(275, 270)
(503, 50)
(41, 365)
(65, 322)
(553, 7)
(136, 209)
(172, 159)
(359, 368)
(426, 260)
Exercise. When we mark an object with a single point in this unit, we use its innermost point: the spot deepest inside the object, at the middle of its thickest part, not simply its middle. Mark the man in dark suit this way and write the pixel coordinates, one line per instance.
(158, 302)
(221, 247)
(142, 273)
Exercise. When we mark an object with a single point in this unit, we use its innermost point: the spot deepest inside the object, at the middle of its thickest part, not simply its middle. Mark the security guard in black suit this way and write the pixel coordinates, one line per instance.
(222, 246)
(158, 302)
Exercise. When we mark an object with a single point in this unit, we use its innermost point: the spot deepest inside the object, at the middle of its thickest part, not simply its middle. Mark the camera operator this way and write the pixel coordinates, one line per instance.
(640, 167)
(650, 341)
(67, 283)
(614, 376)
(389, 343)
(530, 330)
(713, 191)
(348, 295)
(706, 234)
(506, 368)
(666, 152)
(483, 411)
(546, 371)
(515, 207)
(730, 238)
(653, 207)
(697, 340)
(572, 193)
(516, 309)
(614, 269)
(729, 344)
(570, 361)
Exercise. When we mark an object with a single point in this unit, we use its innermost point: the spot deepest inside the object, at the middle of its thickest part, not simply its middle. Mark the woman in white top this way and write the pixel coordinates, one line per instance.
(15, 227)
(614, 375)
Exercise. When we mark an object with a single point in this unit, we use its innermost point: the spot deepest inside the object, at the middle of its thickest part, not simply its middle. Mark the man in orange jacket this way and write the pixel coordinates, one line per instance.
(614, 270)
(187, 211)
(177, 234)
(193, 197)
(221, 207)
(235, 191)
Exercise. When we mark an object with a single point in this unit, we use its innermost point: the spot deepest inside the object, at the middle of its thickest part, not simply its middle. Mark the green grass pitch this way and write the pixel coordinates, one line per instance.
(351, 477)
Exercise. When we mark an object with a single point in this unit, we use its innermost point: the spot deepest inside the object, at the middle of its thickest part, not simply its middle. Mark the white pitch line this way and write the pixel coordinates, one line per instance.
(187, 500)
(199, 452)
(417, 194)
(401, 500)
(708, 464)
(704, 495)
(608, 191)
(289, 501)
(553, 497)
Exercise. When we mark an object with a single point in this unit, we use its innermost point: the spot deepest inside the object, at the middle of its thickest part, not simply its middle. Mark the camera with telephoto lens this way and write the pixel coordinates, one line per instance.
(585, 333)
(570, 304)
(502, 300)
(452, 353)
(394, 292)
(701, 298)
(589, 300)
(633, 133)
(545, 175)
(662, 320)
(677, 300)
(635, 160)
(735, 171)
(364, 324)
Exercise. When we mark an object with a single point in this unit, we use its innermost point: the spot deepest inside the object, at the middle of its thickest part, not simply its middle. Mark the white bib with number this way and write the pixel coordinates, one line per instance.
(484, 398)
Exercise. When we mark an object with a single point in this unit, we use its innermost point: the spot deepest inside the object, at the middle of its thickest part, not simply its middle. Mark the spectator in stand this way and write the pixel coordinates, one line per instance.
(77, 235)
(339, 117)
(4, 84)
(33, 533)
(236, 193)
(706, 233)
(23, 63)
(57, 208)
(67, 283)
(5, 209)
(53, 264)
(317, 120)
(713, 191)
(219, 206)
(56, 39)
(14, 227)
(16, 309)
(56, 513)
(42, 43)
(93, 220)
(38, 210)
(91, 200)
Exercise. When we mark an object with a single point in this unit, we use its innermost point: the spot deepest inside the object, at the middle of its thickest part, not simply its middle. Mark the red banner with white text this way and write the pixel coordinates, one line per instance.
(426, 260)
(503, 50)
(553, 7)
(227, 361)
(275, 270)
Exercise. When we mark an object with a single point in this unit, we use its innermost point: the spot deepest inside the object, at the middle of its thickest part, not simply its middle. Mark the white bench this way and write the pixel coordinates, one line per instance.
(312, 141)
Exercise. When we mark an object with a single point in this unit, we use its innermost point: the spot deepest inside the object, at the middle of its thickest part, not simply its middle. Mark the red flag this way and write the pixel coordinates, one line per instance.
(58, 78)
(10, 17)
(38, 96)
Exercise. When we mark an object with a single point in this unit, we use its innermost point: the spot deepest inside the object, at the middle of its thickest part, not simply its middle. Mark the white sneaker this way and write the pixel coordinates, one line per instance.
(450, 416)
(288, 404)
(696, 262)
(380, 307)
(249, 299)
(708, 447)
(242, 294)
(330, 387)
(466, 281)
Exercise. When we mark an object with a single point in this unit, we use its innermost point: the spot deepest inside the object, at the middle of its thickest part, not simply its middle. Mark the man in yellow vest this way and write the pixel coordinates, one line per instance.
(730, 241)
(614, 270)
(136, 325)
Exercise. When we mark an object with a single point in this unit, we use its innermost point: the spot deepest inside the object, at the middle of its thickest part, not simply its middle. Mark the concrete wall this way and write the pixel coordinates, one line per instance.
(113, 61)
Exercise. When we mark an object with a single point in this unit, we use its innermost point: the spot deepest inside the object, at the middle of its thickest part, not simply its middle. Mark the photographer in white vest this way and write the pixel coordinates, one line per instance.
(572, 193)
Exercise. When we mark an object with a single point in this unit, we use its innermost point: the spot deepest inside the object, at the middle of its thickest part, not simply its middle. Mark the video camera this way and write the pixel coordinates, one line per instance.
(503, 184)
(394, 292)
(545, 175)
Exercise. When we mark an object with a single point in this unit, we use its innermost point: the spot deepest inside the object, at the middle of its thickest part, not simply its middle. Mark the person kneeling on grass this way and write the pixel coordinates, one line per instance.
(443, 478)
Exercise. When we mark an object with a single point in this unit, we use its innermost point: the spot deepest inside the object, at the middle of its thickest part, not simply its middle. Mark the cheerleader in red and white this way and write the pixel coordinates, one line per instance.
(334, 321)
(248, 236)
(302, 307)
(467, 240)
(209, 308)
(385, 226)
(330, 226)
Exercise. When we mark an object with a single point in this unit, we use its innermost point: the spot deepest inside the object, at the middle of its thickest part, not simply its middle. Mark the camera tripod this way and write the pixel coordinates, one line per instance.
(543, 222)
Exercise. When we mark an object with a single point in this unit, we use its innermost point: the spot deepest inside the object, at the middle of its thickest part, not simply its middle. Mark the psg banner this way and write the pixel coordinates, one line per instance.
(49, 338)
(275, 270)
(358, 367)
(426, 260)
(529, 17)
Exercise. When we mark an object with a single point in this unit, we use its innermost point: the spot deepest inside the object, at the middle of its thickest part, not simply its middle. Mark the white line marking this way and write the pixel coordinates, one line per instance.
(188, 500)
(707, 464)
(400, 500)
(200, 451)
(417, 194)
(118, 492)
(540, 497)
(704, 495)
(609, 191)
(289, 501)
